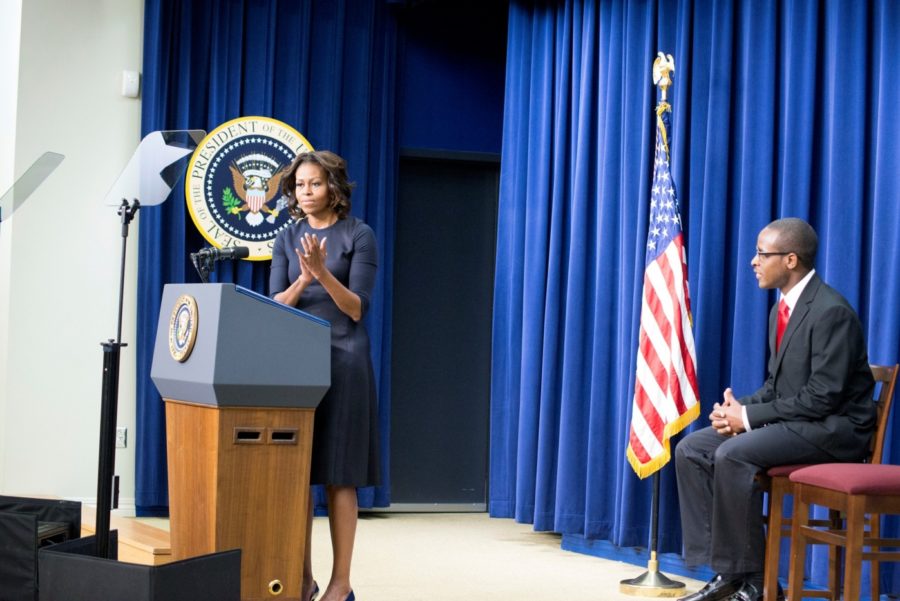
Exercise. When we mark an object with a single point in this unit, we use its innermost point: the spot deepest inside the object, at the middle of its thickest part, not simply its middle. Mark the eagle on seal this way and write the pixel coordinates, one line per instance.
(256, 188)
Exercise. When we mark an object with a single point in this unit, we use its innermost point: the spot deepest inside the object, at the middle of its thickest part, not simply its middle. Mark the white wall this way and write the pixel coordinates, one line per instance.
(11, 11)
(66, 248)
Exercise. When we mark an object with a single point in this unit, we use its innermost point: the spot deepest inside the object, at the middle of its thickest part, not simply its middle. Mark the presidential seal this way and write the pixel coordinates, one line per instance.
(183, 328)
(233, 187)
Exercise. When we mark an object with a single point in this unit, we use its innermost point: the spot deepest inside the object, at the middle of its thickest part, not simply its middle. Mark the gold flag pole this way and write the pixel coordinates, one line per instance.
(654, 583)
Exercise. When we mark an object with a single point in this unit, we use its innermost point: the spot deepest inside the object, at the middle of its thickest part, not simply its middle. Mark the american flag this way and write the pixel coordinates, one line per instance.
(666, 397)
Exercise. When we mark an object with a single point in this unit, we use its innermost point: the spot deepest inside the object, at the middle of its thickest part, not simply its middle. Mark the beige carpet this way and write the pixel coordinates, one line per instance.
(450, 557)
(467, 556)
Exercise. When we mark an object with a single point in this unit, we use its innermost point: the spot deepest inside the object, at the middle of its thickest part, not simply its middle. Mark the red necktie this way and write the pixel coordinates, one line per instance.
(783, 316)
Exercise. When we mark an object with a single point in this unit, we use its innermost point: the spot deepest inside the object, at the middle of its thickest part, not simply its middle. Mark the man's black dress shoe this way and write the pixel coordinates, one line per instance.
(749, 591)
(721, 587)
(752, 590)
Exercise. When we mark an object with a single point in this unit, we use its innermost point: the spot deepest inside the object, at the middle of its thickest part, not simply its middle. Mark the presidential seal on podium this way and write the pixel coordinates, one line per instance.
(183, 328)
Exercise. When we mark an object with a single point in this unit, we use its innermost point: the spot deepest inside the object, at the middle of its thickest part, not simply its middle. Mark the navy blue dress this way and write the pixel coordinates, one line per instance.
(345, 436)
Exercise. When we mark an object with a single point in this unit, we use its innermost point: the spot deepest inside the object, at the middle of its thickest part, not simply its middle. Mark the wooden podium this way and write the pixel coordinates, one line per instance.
(241, 376)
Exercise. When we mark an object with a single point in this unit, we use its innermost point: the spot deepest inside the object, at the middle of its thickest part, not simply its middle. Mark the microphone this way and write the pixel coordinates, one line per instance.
(204, 260)
(224, 254)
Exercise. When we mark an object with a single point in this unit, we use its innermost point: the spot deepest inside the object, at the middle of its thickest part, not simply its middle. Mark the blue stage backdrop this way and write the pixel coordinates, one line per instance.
(781, 108)
(325, 68)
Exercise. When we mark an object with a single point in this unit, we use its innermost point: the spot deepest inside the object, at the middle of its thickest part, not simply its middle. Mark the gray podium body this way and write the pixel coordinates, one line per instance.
(241, 376)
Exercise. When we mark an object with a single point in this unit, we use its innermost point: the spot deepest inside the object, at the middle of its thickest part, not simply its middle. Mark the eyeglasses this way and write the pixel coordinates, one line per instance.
(763, 255)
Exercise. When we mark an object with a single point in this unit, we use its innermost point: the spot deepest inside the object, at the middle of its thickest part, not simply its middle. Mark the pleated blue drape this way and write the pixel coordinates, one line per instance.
(781, 108)
(325, 67)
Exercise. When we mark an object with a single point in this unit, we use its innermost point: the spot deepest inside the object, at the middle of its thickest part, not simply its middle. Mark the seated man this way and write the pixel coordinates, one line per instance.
(814, 407)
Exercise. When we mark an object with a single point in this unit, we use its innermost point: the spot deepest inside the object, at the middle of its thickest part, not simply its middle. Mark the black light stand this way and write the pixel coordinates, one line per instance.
(110, 401)
(150, 175)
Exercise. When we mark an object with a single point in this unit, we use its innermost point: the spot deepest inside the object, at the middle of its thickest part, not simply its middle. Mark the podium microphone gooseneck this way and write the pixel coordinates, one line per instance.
(204, 260)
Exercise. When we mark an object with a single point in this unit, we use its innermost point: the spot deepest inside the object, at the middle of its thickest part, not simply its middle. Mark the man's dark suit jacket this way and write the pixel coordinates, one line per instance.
(819, 383)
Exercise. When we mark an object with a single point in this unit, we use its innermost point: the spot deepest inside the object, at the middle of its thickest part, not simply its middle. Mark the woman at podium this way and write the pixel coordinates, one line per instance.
(324, 263)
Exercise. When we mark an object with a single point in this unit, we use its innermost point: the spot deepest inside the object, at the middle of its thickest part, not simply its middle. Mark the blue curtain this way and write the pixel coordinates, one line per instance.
(325, 67)
(781, 108)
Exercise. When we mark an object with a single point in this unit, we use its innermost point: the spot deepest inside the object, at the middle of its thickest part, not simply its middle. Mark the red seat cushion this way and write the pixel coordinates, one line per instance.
(785, 470)
(852, 478)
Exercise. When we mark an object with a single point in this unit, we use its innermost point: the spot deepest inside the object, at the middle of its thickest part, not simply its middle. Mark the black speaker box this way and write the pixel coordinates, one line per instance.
(25, 526)
(70, 572)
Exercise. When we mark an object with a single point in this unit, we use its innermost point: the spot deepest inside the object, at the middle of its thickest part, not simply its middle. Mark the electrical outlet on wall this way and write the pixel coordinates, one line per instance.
(121, 437)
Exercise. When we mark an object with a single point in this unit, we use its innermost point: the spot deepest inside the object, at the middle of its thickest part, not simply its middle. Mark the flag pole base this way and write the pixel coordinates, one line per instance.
(652, 583)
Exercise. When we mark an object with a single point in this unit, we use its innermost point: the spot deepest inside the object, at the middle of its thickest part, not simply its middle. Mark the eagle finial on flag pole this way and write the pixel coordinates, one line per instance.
(662, 67)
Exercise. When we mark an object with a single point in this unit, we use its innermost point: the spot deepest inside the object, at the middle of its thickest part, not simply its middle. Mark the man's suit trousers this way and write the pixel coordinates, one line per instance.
(721, 501)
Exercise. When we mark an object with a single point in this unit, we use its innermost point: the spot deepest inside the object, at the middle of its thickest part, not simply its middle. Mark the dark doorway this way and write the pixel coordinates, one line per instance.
(443, 295)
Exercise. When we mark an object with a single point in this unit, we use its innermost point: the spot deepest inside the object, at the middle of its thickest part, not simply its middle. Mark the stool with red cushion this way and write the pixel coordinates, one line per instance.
(856, 491)
(778, 486)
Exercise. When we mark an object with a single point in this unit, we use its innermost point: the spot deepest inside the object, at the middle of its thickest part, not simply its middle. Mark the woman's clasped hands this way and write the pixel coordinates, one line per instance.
(312, 257)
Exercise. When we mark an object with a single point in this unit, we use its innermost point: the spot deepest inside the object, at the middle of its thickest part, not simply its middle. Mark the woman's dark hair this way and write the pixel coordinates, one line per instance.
(339, 186)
